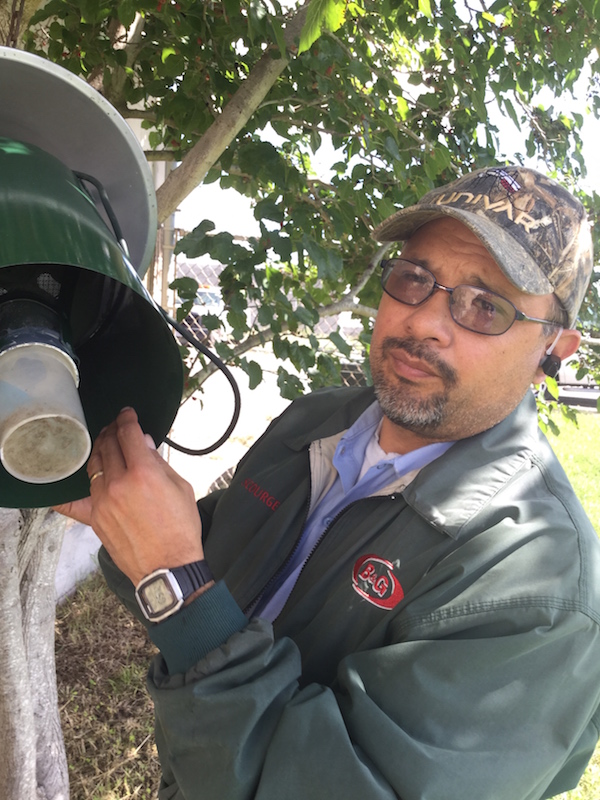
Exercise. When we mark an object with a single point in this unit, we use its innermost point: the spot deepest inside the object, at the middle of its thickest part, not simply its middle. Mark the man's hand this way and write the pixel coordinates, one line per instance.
(143, 512)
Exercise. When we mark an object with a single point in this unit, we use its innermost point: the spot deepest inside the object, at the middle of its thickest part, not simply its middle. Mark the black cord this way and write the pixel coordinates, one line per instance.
(83, 177)
(221, 366)
(107, 207)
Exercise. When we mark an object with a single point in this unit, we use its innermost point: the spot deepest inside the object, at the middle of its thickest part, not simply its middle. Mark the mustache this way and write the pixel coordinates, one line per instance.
(421, 351)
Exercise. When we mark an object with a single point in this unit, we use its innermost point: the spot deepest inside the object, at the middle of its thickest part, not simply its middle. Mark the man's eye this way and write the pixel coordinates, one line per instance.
(485, 305)
(413, 278)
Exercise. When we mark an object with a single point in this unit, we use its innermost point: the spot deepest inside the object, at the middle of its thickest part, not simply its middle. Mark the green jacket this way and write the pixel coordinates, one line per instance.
(441, 643)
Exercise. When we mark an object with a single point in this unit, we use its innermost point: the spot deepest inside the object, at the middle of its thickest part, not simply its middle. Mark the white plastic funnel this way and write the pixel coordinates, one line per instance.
(43, 434)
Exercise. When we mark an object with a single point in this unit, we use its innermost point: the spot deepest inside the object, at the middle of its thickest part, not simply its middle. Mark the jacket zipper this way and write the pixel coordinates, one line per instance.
(277, 574)
(333, 522)
(274, 578)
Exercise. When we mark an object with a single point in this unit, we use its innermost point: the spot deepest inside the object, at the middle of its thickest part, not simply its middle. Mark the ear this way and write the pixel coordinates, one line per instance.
(564, 348)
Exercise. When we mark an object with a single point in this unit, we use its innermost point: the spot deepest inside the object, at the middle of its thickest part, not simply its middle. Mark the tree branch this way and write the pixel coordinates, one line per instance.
(265, 335)
(194, 167)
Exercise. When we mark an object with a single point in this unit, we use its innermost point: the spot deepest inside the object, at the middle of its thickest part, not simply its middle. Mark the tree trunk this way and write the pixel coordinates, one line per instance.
(33, 764)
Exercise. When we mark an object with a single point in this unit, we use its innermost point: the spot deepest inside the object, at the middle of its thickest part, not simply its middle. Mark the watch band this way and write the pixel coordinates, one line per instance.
(191, 577)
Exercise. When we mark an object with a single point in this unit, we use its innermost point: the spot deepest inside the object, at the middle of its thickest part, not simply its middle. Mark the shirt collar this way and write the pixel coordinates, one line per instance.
(350, 451)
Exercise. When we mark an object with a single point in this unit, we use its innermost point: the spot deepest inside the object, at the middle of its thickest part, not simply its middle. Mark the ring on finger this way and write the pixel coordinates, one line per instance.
(95, 475)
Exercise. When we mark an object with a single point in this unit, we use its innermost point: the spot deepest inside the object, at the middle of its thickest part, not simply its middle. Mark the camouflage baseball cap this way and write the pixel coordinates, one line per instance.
(536, 231)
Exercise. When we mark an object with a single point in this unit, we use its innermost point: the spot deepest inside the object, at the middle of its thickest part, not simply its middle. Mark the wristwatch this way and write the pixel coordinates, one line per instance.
(164, 591)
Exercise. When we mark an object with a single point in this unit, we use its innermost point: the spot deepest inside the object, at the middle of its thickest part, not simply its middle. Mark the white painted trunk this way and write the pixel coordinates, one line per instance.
(33, 764)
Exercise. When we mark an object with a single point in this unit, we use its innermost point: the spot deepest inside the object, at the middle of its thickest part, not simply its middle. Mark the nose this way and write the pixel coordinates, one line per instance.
(432, 319)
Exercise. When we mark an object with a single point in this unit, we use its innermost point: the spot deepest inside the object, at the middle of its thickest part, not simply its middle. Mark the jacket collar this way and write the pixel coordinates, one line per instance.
(485, 462)
(343, 414)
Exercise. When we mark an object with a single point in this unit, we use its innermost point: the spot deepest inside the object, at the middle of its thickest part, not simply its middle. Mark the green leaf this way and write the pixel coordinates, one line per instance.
(552, 387)
(186, 288)
(257, 20)
(211, 321)
(329, 370)
(267, 209)
(329, 264)
(340, 343)
(306, 316)
(55, 50)
(127, 12)
(195, 243)
(222, 247)
(553, 427)
(55, 7)
(392, 148)
(278, 33)
(254, 372)
(321, 15)
(478, 101)
(511, 112)
(289, 385)
(425, 8)
(184, 309)
(302, 357)
(232, 7)
(238, 322)
(173, 65)
(281, 348)
(265, 315)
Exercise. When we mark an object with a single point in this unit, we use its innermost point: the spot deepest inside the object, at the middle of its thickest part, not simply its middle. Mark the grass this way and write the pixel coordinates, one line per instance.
(578, 448)
(102, 656)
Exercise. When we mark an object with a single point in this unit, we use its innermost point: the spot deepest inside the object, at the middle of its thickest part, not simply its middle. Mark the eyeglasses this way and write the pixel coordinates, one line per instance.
(472, 307)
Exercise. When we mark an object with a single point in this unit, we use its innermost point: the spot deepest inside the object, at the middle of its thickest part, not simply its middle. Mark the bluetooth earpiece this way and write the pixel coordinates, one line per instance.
(552, 363)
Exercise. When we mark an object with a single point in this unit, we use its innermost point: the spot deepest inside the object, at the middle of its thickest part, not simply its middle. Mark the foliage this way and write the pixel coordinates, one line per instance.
(397, 94)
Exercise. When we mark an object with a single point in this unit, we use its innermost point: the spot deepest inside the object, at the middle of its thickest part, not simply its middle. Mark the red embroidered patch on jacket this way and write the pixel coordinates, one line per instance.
(373, 578)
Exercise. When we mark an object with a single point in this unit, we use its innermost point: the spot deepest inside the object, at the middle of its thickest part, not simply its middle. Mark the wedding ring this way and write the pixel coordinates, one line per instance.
(96, 475)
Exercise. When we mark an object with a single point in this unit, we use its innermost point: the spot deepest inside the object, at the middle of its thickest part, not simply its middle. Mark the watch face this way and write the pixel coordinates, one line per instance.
(158, 595)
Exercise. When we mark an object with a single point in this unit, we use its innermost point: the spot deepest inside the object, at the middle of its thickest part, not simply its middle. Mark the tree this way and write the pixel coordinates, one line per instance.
(33, 766)
(400, 92)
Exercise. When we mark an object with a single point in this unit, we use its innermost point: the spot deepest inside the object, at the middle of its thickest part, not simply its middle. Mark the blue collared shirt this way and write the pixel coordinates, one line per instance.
(349, 486)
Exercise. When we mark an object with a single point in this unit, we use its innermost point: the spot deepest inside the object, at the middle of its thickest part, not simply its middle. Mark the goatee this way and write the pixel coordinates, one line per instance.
(398, 397)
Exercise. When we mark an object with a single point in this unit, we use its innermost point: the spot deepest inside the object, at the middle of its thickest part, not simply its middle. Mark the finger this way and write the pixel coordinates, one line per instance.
(132, 440)
(94, 463)
(95, 479)
(79, 510)
(95, 460)
(108, 455)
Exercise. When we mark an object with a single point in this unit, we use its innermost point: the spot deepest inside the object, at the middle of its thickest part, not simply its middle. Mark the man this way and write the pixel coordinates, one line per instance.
(408, 592)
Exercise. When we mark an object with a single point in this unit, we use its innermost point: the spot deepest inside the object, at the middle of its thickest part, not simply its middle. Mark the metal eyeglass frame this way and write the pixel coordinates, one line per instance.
(387, 266)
